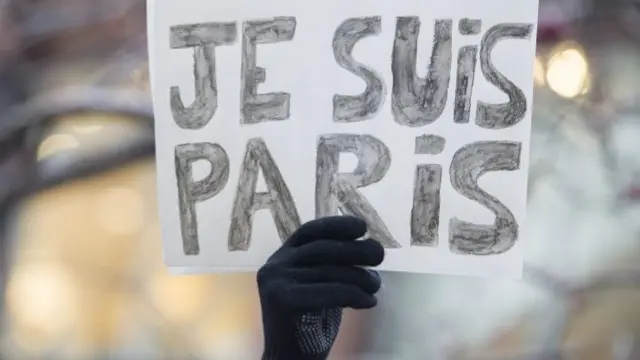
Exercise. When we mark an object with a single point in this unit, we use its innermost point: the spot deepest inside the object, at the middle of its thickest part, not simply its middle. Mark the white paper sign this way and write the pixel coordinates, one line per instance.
(413, 115)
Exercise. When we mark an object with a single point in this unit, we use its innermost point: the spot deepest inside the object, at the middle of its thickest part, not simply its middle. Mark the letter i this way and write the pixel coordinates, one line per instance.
(425, 213)
(467, 58)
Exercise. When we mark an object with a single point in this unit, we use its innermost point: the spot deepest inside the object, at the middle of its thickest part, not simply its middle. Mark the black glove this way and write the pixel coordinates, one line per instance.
(306, 283)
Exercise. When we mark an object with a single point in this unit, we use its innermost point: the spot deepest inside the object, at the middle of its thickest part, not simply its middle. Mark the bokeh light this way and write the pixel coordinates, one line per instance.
(568, 71)
(41, 299)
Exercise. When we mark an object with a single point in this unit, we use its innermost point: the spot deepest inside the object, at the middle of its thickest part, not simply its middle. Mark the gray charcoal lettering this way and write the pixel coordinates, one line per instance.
(417, 102)
(256, 108)
(467, 58)
(425, 213)
(470, 26)
(203, 38)
(468, 165)
(247, 201)
(347, 108)
(191, 192)
(338, 192)
(429, 144)
(500, 116)
(202, 34)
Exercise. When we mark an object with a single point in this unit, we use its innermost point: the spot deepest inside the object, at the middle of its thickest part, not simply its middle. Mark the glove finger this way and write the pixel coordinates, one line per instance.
(367, 280)
(327, 252)
(326, 295)
(341, 228)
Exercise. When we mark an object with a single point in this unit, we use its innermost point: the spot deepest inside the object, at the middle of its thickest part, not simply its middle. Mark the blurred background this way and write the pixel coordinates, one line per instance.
(81, 271)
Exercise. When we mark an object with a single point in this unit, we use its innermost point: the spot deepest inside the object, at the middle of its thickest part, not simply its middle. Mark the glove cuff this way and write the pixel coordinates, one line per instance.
(291, 352)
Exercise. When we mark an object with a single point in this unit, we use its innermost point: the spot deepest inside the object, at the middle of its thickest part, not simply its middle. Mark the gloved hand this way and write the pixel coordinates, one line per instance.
(305, 285)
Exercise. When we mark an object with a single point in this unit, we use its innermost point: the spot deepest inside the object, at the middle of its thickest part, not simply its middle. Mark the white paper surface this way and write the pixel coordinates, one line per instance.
(306, 68)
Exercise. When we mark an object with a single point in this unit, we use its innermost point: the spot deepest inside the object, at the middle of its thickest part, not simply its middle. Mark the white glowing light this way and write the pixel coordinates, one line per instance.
(41, 296)
(568, 72)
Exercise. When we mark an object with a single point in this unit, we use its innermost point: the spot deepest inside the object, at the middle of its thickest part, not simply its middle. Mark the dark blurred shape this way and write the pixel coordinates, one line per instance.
(556, 17)
(69, 28)
(12, 84)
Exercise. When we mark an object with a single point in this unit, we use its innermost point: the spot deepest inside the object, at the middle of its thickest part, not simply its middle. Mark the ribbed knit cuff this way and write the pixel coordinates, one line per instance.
(290, 352)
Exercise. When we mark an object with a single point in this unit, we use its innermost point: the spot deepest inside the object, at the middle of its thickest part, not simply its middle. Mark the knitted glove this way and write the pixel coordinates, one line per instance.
(306, 283)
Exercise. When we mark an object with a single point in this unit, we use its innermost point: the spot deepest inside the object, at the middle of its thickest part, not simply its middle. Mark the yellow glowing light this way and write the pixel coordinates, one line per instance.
(120, 211)
(42, 297)
(56, 143)
(568, 72)
(538, 72)
(179, 298)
